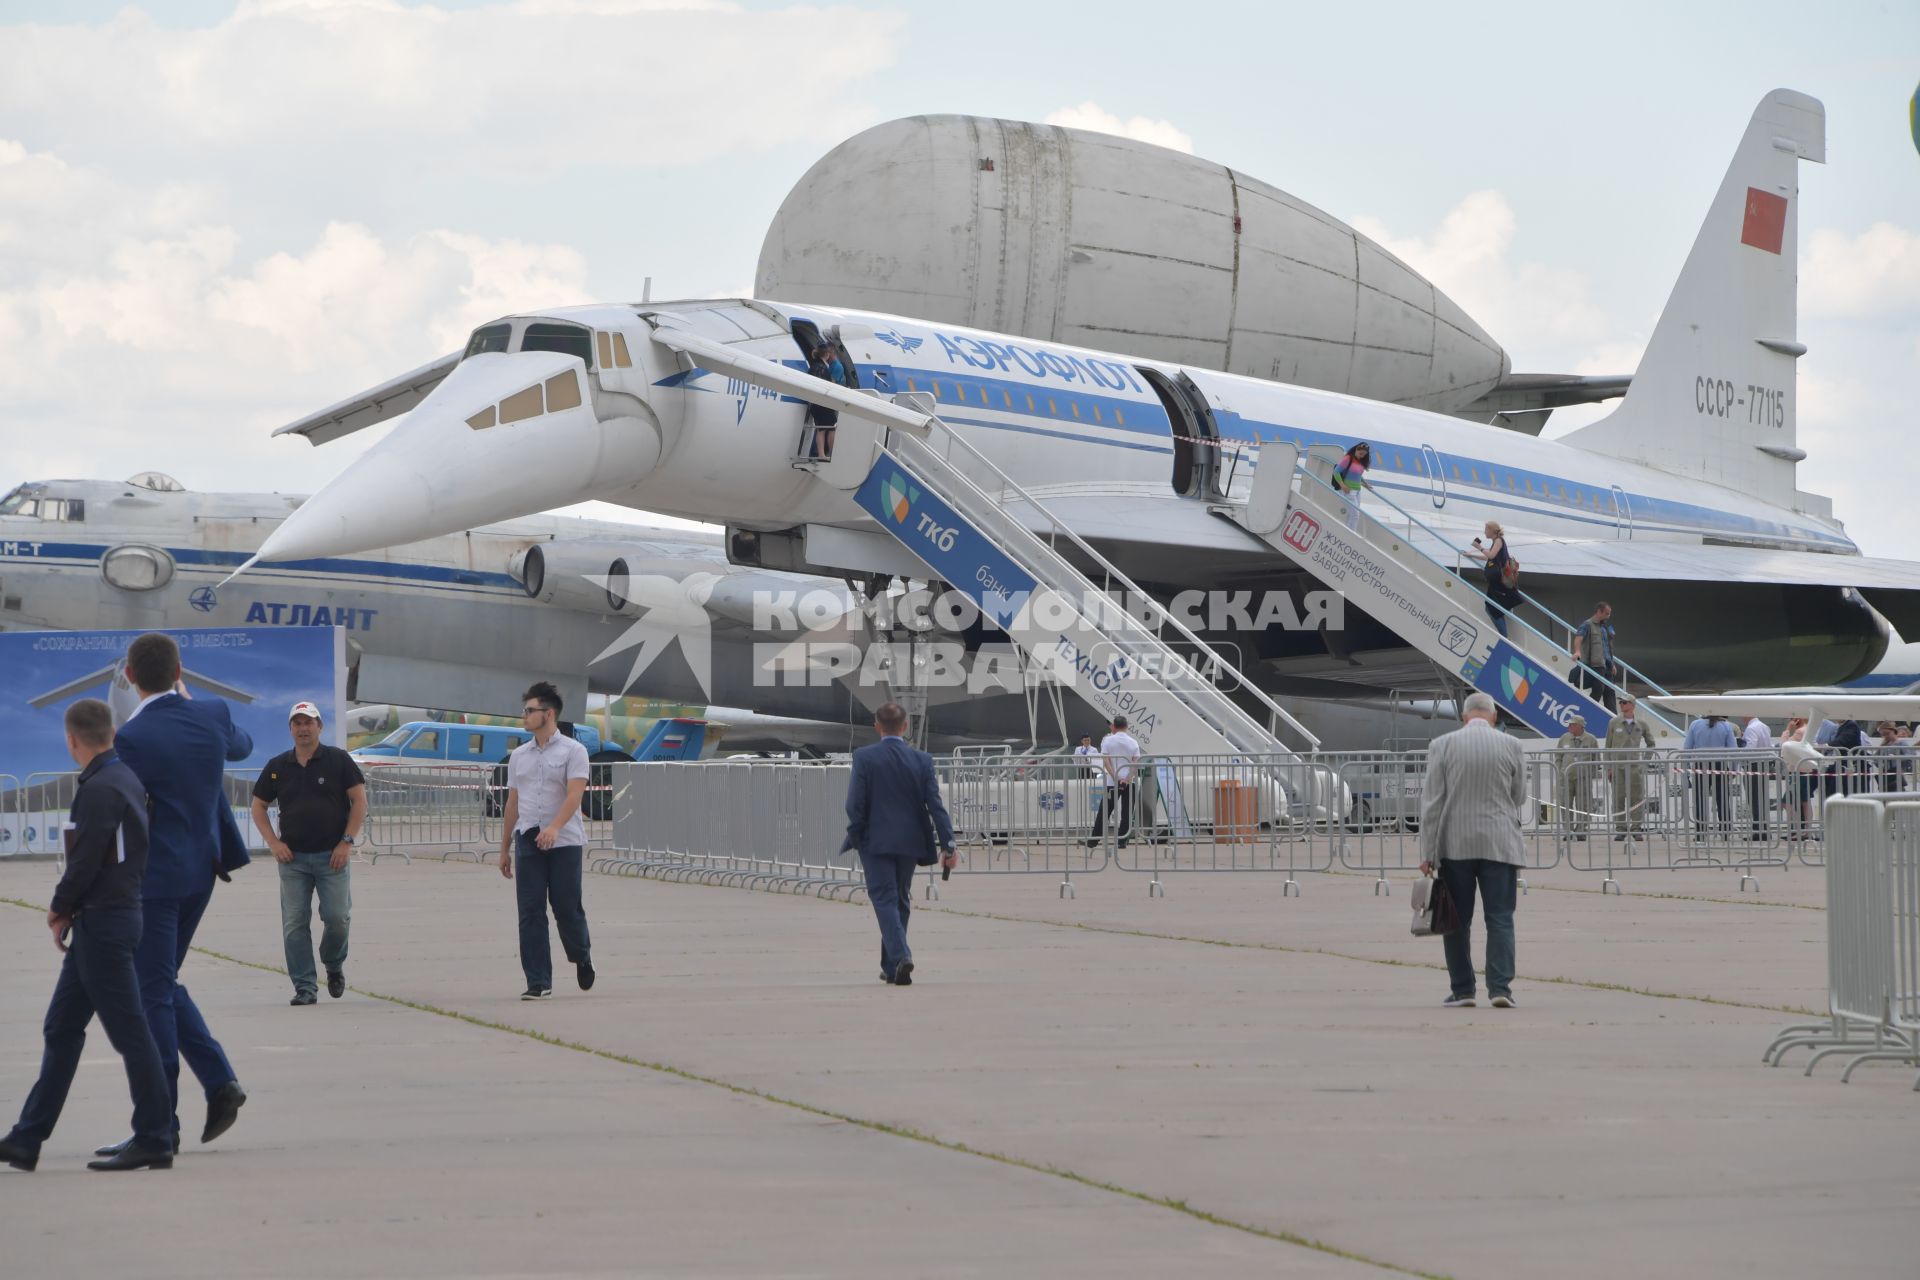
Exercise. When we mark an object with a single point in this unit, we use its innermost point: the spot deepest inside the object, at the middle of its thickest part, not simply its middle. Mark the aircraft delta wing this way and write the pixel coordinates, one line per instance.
(1012, 468)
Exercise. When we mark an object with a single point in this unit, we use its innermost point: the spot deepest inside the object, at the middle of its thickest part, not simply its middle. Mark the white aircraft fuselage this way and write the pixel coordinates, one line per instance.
(663, 435)
(1681, 507)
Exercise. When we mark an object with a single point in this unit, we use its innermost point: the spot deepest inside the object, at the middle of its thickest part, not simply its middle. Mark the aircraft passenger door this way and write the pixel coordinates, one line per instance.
(1622, 514)
(1191, 430)
(1436, 479)
(868, 360)
(1206, 444)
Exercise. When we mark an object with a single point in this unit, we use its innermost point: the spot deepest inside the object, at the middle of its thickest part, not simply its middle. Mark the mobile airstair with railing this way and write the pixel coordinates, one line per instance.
(1384, 560)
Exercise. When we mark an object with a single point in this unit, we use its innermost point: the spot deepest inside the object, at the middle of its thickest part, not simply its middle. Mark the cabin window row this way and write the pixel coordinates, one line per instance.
(1038, 404)
(1518, 484)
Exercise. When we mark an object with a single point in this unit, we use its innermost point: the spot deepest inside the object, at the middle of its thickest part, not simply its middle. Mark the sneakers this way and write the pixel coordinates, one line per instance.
(1457, 1002)
(302, 997)
(903, 974)
(536, 993)
(584, 972)
(1503, 1001)
(336, 983)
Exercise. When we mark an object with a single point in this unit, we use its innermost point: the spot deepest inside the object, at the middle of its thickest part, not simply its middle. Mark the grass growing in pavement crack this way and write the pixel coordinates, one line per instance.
(1635, 893)
(827, 1113)
(1379, 960)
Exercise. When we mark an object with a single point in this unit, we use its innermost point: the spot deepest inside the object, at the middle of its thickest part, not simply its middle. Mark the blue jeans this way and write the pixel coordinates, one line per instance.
(178, 1029)
(541, 876)
(1498, 884)
(890, 890)
(1499, 617)
(300, 880)
(98, 977)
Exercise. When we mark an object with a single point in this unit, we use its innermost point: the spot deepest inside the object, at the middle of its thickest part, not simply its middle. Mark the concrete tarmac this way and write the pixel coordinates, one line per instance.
(1222, 1082)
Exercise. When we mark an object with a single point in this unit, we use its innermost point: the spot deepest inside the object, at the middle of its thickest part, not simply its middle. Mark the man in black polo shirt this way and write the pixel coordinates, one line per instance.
(97, 903)
(323, 801)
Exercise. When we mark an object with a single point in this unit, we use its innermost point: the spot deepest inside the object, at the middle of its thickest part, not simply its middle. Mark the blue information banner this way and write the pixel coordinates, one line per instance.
(1543, 700)
(260, 672)
(940, 536)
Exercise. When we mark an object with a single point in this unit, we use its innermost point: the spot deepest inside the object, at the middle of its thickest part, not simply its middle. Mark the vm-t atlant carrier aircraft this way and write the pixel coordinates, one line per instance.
(1032, 474)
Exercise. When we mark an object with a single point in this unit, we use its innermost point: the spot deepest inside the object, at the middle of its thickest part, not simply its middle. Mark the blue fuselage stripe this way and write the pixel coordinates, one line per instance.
(1148, 418)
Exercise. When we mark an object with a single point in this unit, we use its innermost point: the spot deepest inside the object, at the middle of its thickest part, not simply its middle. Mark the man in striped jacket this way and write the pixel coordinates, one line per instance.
(1476, 791)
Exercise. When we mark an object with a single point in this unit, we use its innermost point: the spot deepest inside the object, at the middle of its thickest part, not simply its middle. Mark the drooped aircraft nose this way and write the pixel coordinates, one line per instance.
(503, 435)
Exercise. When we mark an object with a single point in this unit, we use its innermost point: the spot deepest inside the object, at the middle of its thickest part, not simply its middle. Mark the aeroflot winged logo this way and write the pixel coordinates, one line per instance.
(901, 341)
(900, 497)
(1517, 678)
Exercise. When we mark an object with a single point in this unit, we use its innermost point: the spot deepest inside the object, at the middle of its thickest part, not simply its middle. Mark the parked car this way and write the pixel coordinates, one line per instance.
(433, 751)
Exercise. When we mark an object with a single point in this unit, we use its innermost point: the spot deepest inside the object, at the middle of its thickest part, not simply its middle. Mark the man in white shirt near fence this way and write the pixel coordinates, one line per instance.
(1120, 762)
(544, 839)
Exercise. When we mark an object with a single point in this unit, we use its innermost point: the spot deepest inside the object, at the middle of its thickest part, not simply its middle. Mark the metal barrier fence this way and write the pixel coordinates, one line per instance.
(1056, 815)
(452, 812)
(1873, 939)
(456, 814)
(1605, 810)
(1638, 810)
(759, 824)
(1274, 814)
(780, 823)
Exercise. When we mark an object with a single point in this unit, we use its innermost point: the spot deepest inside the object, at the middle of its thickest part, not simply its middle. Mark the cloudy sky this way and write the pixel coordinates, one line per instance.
(215, 217)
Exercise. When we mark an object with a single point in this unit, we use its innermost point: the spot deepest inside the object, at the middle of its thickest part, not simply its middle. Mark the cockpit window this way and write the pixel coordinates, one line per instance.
(565, 338)
(562, 391)
(23, 500)
(492, 337)
(520, 406)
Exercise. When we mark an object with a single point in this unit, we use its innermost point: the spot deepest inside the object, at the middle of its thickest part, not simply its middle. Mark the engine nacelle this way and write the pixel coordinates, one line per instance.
(629, 579)
(591, 576)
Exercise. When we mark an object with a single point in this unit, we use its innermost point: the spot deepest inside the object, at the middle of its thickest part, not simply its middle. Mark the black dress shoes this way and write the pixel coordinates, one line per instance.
(124, 1143)
(903, 974)
(223, 1108)
(336, 983)
(133, 1157)
(19, 1154)
(302, 997)
(584, 972)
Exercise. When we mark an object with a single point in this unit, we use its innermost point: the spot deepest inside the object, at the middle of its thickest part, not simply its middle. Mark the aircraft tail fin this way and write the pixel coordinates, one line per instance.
(1714, 396)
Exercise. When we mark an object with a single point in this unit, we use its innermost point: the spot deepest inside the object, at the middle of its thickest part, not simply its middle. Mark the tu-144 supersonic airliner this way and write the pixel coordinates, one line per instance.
(1681, 507)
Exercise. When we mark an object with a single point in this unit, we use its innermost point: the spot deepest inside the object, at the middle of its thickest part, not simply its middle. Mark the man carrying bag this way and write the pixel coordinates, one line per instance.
(1476, 791)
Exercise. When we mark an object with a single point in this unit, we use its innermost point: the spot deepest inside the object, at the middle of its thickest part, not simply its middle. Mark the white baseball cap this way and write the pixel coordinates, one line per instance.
(305, 709)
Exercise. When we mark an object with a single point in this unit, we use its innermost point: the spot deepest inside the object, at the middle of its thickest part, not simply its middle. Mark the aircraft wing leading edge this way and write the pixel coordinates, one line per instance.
(388, 400)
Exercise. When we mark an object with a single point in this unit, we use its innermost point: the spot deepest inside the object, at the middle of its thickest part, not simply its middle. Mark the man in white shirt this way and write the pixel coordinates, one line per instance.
(1089, 754)
(543, 834)
(1759, 772)
(1120, 761)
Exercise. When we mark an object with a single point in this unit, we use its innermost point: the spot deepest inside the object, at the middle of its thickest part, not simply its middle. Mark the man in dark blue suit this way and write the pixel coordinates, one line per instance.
(179, 749)
(893, 812)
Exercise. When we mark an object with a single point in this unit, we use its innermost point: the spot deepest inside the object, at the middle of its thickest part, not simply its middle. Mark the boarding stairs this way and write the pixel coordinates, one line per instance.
(1386, 561)
(955, 511)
